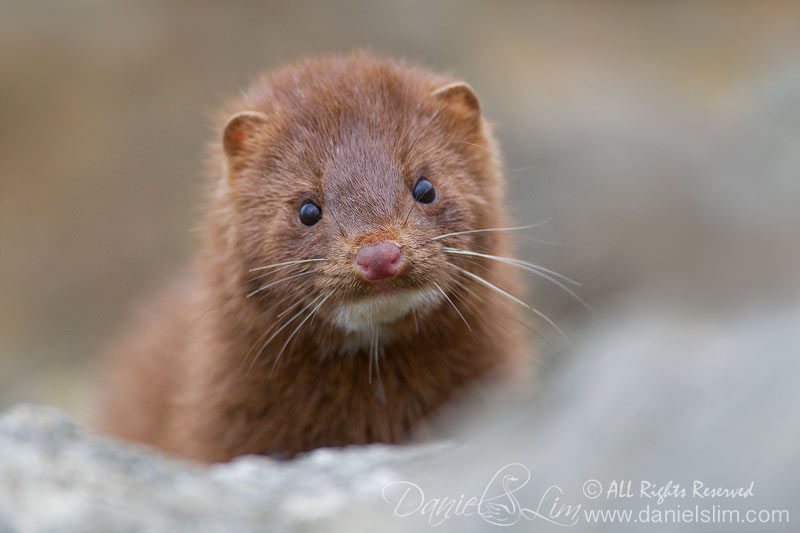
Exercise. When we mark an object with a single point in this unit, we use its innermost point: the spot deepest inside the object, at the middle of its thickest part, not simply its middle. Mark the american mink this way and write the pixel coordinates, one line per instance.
(343, 290)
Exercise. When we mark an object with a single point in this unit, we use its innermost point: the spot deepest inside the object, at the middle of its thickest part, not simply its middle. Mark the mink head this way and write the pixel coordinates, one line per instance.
(342, 177)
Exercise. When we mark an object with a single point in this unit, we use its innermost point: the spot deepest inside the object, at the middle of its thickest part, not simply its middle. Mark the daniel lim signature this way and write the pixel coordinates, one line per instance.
(499, 503)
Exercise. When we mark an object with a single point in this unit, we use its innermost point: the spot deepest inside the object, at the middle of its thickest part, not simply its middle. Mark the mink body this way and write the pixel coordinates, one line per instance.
(251, 353)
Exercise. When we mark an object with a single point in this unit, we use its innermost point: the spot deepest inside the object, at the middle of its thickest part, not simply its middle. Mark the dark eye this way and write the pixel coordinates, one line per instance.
(424, 192)
(310, 213)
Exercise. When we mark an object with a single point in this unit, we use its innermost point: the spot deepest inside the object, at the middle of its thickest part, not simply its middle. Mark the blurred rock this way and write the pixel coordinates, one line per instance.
(653, 390)
(650, 392)
(55, 475)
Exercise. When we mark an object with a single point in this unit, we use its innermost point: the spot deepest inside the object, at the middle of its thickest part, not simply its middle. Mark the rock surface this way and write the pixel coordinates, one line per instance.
(58, 476)
(644, 394)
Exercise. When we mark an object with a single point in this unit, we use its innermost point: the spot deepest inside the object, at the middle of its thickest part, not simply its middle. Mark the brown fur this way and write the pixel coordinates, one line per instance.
(354, 134)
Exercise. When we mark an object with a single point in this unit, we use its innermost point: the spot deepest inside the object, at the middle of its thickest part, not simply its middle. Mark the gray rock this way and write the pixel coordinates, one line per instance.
(647, 392)
(55, 476)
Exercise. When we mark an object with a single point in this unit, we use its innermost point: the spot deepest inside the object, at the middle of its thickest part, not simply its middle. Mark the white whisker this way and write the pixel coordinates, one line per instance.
(515, 228)
(481, 147)
(530, 267)
(446, 297)
(518, 262)
(513, 298)
(268, 330)
(287, 263)
(287, 310)
(300, 325)
(268, 285)
(265, 274)
(483, 281)
(371, 353)
(375, 353)
(281, 329)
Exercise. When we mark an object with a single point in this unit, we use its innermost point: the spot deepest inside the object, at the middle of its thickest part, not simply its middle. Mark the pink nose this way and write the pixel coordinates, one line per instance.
(379, 261)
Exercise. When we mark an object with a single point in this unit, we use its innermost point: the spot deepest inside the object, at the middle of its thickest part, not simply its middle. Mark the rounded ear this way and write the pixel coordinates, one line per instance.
(240, 131)
(461, 99)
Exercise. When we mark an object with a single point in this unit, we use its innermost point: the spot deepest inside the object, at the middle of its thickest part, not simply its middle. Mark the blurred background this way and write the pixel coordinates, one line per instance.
(661, 141)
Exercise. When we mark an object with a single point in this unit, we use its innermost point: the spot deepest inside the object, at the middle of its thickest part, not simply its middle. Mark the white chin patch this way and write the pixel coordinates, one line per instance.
(363, 315)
